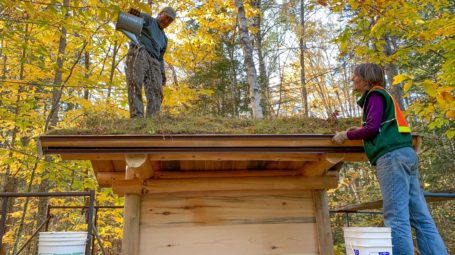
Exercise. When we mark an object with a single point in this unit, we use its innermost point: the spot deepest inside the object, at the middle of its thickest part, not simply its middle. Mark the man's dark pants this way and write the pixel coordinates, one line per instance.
(143, 70)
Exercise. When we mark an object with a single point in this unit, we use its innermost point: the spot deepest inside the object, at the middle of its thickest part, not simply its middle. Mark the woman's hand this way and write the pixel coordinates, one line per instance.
(340, 137)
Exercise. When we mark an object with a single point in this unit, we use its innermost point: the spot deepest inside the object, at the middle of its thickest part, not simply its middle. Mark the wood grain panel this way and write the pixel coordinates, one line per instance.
(250, 239)
(240, 184)
(205, 209)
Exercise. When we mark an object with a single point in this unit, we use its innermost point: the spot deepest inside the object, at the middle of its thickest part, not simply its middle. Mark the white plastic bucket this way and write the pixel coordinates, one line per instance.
(62, 243)
(368, 241)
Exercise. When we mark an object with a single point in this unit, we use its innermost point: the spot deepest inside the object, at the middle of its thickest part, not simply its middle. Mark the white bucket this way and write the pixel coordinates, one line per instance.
(368, 241)
(62, 243)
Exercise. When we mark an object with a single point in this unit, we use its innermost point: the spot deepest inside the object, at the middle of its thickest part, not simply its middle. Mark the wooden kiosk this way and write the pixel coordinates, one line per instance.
(217, 194)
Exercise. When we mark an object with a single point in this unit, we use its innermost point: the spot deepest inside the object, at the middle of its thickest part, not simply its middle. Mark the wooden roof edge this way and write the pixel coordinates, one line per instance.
(153, 143)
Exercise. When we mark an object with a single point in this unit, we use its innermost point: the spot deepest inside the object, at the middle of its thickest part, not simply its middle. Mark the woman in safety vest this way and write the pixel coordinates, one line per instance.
(388, 145)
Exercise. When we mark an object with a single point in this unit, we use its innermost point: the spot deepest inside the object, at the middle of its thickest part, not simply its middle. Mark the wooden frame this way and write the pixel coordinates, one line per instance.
(193, 187)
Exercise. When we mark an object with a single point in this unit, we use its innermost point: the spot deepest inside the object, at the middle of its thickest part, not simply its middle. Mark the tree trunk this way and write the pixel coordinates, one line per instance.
(280, 93)
(263, 77)
(10, 182)
(235, 90)
(5, 59)
(255, 96)
(24, 210)
(302, 46)
(87, 73)
(174, 75)
(391, 71)
(113, 66)
(52, 119)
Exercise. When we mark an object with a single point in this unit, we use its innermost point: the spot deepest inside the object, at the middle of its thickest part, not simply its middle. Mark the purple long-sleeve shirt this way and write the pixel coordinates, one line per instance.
(374, 110)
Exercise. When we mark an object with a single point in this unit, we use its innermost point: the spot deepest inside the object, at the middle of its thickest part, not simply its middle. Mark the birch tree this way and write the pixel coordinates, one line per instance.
(247, 47)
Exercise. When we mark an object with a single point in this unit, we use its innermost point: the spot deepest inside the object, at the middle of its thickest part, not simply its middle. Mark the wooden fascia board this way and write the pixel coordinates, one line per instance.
(193, 141)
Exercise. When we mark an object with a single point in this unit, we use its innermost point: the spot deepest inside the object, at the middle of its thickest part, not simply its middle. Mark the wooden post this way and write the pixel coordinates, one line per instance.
(131, 220)
(321, 209)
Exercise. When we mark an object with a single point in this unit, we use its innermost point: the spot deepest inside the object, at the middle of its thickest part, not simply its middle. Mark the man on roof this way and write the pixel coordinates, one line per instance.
(145, 64)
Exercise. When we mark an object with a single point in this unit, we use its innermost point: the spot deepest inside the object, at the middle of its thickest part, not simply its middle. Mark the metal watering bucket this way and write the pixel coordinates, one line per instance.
(130, 25)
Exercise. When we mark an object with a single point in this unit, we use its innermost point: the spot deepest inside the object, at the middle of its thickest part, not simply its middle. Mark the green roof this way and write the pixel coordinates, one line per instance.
(99, 125)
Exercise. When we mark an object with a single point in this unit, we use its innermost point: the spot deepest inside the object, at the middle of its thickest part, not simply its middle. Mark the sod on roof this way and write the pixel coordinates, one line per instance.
(165, 124)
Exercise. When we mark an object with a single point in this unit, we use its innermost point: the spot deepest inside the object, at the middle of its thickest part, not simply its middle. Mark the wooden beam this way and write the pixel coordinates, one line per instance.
(240, 156)
(98, 156)
(122, 187)
(162, 156)
(171, 156)
(240, 183)
(223, 173)
(131, 219)
(140, 165)
(105, 179)
(324, 230)
(320, 167)
(102, 165)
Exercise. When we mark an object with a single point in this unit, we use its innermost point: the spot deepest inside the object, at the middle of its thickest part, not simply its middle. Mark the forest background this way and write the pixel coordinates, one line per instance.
(62, 66)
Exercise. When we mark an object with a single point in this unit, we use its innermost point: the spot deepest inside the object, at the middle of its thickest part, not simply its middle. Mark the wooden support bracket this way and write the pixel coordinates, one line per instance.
(140, 164)
(320, 167)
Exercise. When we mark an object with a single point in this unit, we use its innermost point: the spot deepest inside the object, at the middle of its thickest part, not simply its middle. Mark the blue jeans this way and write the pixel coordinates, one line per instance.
(404, 204)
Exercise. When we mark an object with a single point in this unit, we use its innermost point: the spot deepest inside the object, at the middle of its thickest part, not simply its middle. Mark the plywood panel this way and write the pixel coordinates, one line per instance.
(250, 239)
(225, 208)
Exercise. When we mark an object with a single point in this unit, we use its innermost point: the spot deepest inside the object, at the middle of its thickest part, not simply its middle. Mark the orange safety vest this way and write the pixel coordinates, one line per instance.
(403, 126)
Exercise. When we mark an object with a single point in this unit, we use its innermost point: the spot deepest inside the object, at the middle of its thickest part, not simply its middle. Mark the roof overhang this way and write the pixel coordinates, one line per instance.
(214, 155)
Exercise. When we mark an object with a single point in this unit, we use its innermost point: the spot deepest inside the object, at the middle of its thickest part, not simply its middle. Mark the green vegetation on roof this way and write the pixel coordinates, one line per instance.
(165, 124)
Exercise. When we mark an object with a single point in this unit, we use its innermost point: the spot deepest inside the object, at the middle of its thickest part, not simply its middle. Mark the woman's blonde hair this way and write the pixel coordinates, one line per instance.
(373, 74)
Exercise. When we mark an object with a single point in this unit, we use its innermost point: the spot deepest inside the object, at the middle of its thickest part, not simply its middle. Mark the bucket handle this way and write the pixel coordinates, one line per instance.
(352, 249)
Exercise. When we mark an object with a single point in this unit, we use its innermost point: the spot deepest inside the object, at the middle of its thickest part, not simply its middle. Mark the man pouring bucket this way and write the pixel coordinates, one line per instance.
(145, 64)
